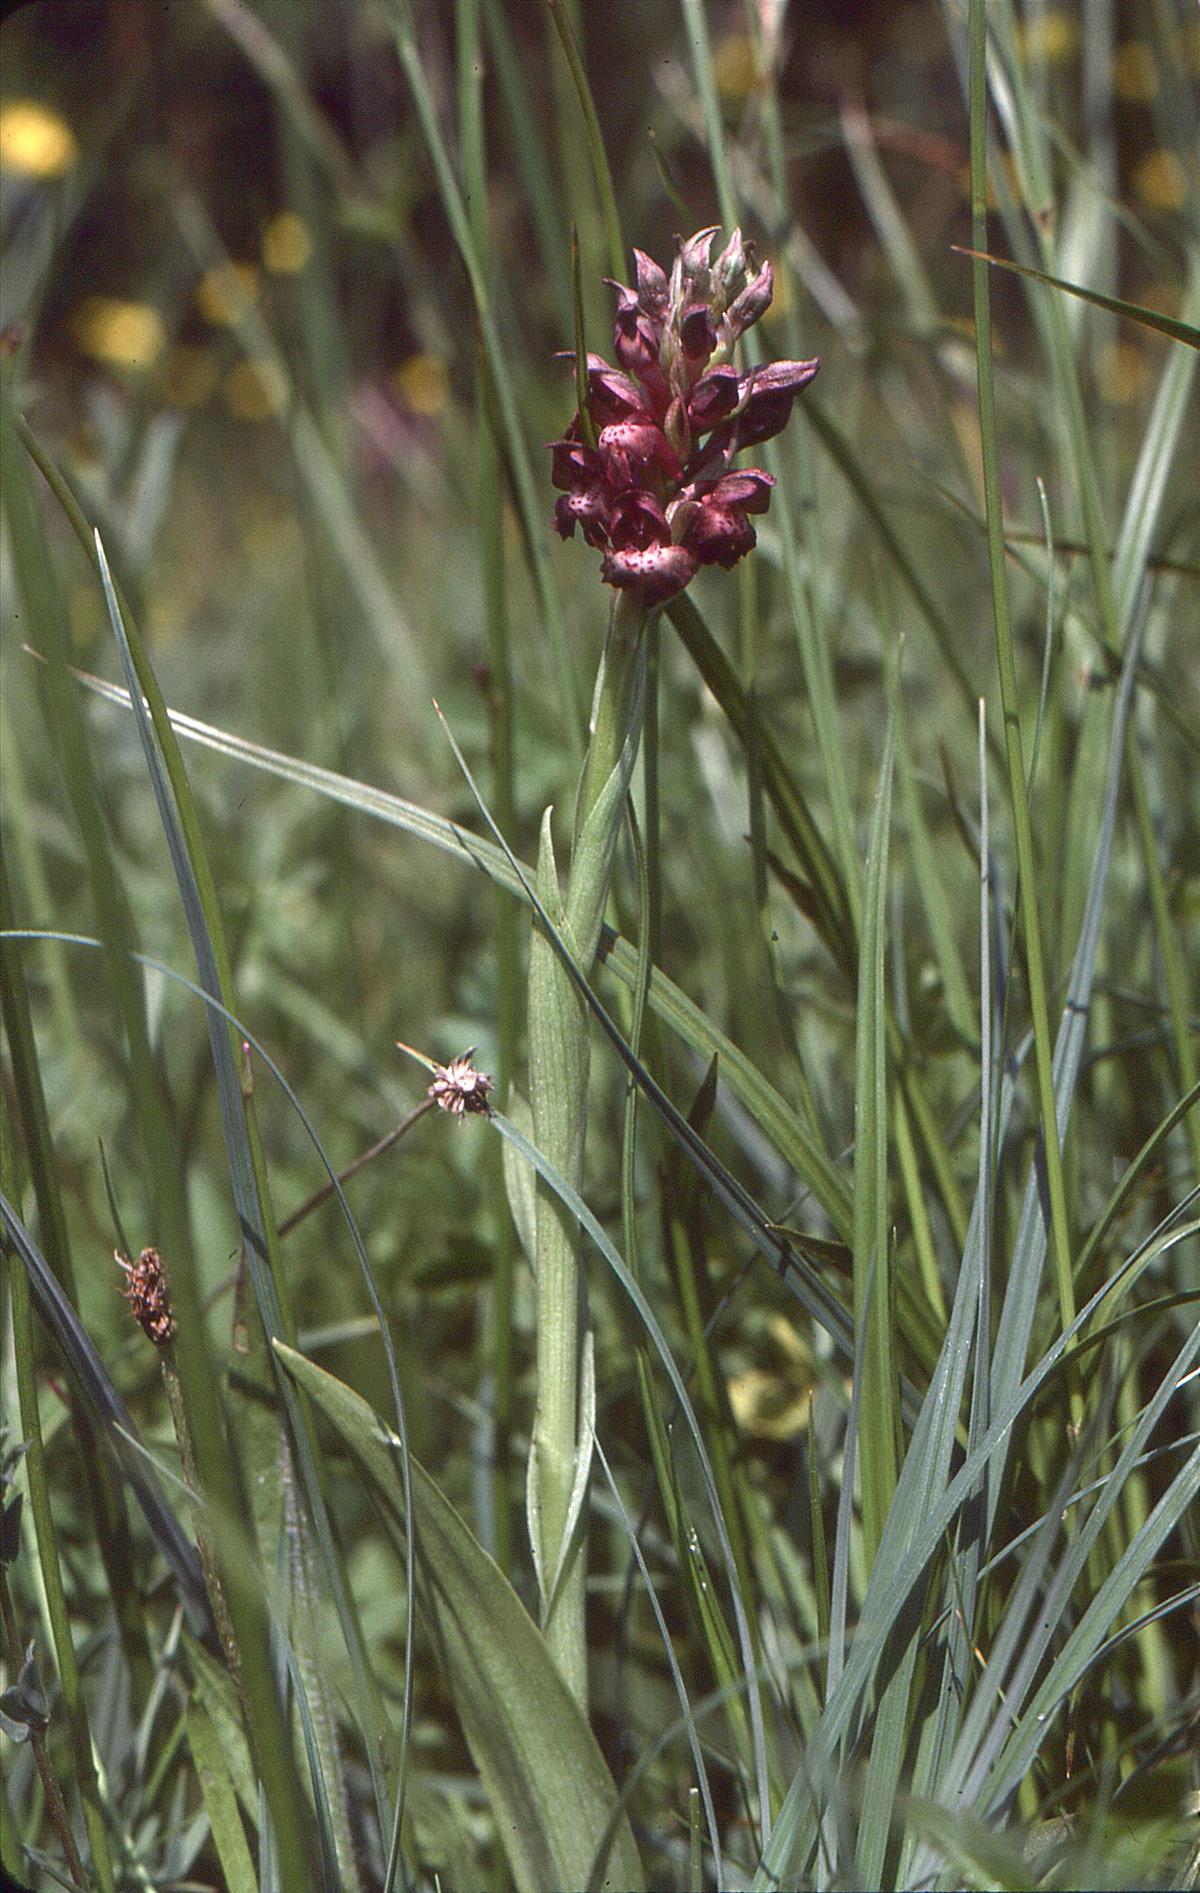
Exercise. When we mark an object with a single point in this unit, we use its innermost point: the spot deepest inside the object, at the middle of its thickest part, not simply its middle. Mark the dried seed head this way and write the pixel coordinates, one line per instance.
(460, 1089)
(146, 1292)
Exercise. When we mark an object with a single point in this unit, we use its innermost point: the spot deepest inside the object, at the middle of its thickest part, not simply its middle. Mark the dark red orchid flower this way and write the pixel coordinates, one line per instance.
(658, 493)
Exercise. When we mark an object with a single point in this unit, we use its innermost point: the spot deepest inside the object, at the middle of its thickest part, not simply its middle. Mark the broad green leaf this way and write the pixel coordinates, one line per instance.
(550, 1790)
(220, 1802)
(214, 1693)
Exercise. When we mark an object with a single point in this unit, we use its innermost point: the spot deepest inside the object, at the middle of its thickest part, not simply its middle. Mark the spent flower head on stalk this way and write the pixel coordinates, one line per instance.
(145, 1289)
(658, 491)
(459, 1088)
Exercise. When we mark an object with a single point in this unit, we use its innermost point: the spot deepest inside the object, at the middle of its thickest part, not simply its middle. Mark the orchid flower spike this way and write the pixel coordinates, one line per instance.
(658, 494)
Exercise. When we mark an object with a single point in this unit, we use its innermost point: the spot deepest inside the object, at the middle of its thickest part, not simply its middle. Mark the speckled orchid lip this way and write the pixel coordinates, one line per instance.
(657, 494)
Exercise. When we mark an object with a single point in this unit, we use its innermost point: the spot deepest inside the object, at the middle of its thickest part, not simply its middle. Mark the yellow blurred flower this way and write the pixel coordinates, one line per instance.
(775, 1403)
(1135, 72)
(1121, 373)
(763, 1404)
(1051, 37)
(1159, 181)
(267, 529)
(123, 334)
(422, 384)
(735, 67)
(34, 141)
(222, 293)
(286, 244)
(254, 390)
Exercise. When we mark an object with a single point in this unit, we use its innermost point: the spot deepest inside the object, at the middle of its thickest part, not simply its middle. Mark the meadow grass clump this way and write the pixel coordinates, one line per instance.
(736, 1425)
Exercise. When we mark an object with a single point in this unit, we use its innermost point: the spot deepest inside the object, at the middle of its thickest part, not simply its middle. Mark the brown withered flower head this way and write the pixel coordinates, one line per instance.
(145, 1290)
(459, 1088)
(658, 492)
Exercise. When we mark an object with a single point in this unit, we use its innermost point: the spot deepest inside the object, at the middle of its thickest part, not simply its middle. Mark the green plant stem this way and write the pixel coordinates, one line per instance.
(558, 1078)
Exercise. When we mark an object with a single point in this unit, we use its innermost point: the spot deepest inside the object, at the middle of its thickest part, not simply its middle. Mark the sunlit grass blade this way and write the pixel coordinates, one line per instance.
(903, 1563)
(967, 1340)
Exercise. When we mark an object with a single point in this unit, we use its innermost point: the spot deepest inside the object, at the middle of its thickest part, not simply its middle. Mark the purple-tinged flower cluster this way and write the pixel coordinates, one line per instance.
(658, 492)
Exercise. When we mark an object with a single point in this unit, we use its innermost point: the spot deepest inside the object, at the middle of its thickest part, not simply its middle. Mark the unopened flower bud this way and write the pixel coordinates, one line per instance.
(652, 284)
(750, 303)
(730, 266)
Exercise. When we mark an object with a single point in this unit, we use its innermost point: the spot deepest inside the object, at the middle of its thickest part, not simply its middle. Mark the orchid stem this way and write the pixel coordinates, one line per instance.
(558, 1081)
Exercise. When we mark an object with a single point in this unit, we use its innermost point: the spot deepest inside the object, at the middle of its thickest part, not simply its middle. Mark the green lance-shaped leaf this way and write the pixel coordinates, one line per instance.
(558, 1076)
(220, 1801)
(550, 1791)
(560, 1452)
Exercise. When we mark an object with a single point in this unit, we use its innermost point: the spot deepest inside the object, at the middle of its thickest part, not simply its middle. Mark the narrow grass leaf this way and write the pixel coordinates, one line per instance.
(1184, 332)
(872, 1249)
(994, 1780)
